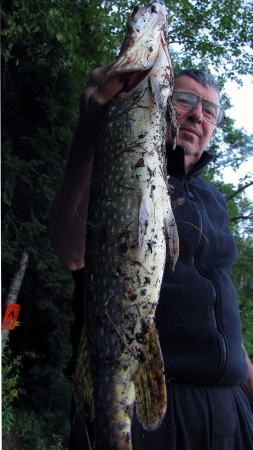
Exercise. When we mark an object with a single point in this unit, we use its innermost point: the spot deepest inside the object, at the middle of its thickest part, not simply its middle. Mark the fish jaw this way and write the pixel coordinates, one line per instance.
(147, 27)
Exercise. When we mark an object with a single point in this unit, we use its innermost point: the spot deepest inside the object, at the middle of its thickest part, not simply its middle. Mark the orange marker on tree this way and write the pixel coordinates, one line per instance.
(10, 317)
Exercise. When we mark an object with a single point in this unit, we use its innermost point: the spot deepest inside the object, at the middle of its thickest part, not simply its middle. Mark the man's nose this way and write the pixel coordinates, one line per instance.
(197, 112)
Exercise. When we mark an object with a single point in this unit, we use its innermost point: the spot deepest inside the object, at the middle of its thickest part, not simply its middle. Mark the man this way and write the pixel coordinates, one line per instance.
(197, 316)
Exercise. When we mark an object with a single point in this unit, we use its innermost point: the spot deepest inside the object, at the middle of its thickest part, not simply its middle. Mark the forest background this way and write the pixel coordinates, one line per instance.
(49, 49)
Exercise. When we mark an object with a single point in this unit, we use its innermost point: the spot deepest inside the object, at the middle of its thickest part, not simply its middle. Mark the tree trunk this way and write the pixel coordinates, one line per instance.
(15, 288)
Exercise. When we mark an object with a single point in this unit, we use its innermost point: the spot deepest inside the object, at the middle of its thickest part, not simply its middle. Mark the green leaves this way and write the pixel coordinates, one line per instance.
(55, 34)
(220, 31)
(242, 277)
(10, 378)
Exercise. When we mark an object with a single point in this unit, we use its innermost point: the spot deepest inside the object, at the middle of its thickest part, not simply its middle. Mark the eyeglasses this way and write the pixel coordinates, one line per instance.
(184, 99)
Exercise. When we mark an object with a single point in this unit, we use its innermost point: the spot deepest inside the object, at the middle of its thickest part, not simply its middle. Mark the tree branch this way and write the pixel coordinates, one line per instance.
(240, 189)
(234, 219)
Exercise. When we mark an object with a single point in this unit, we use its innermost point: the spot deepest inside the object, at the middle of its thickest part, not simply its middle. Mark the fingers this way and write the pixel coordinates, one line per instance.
(98, 74)
(95, 96)
(101, 95)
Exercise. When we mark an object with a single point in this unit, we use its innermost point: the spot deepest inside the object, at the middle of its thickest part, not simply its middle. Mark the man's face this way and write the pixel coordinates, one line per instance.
(194, 131)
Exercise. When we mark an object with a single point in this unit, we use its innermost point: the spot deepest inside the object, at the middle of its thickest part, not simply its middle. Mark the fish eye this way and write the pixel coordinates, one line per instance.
(153, 9)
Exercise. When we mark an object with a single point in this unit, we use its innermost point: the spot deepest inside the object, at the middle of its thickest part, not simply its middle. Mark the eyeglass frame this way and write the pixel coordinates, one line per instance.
(201, 100)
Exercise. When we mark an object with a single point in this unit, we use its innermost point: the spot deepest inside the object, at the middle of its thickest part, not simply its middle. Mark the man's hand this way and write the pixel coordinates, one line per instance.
(69, 209)
(95, 96)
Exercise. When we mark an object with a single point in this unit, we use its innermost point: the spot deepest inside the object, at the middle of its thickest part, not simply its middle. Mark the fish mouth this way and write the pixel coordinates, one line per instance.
(133, 79)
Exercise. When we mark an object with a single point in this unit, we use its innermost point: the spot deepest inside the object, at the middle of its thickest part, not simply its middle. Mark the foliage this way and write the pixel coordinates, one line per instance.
(242, 278)
(38, 118)
(65, 34)
(242, 270)
(48, 51)
(213, 33)
(22, 418)
(10, 378)
(57, 445)
(38, 424)
(230, 146)
(203, 29)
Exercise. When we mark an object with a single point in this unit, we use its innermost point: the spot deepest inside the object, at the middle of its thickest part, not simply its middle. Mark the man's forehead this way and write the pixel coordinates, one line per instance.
(188, 83)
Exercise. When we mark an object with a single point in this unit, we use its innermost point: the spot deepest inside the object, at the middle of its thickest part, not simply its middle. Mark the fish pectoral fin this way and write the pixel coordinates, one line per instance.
(172, 241)
(83, 384)
(157, 93)
(150, 387)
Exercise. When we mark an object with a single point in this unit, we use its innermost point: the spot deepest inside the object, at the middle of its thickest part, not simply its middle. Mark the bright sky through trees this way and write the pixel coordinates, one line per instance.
(242, 112)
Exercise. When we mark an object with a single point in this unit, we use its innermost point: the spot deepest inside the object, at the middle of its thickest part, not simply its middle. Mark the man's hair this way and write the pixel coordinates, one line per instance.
(201, 77)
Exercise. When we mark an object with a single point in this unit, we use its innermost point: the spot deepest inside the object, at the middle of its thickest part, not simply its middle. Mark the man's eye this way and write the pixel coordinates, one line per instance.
(184, 101)
(210, 110)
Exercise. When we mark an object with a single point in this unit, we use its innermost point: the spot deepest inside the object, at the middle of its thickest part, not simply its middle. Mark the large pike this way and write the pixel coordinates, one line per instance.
(129, 230)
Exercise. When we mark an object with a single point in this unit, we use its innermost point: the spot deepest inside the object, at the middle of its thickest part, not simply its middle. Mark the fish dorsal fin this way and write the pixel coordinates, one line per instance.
(83, 384)
(150, 387)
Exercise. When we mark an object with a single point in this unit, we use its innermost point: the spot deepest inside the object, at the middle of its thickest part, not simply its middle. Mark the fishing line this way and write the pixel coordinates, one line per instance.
(135, 261)
(130, 306)
(188, 223)
(121, 337)
(87, 435)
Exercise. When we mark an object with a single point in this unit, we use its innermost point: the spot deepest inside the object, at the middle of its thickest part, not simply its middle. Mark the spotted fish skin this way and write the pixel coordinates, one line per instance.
(130, 228)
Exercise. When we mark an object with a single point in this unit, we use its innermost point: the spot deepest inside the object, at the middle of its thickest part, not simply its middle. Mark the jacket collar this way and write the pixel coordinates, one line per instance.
(175, 164)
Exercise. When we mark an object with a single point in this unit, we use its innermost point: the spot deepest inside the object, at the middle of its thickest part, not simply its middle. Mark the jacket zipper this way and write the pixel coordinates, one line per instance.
(219, 373)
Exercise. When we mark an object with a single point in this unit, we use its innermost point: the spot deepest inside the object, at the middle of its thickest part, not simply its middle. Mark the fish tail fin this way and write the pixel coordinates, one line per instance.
(150, 387)
(83, 384)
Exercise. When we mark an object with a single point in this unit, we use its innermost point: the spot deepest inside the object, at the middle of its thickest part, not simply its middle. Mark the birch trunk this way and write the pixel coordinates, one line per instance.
(15, 288)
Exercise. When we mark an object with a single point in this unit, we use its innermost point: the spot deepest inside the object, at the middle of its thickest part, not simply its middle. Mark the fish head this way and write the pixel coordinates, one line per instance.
(147, 30)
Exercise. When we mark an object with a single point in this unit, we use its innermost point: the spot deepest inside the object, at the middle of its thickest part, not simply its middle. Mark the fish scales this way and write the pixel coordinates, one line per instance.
(130, 228)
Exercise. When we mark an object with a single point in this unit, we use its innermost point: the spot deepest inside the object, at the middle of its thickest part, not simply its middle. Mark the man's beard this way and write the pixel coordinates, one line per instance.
(189, 151)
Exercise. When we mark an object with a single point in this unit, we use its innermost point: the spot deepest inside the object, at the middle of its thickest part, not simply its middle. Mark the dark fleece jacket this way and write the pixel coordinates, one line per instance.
(197, 316)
